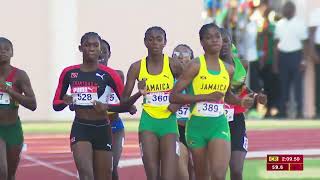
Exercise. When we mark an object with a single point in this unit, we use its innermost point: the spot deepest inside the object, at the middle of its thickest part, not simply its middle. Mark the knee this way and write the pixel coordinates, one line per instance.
(236, 173)
(85, 172)
(218, 175)
(3, 171)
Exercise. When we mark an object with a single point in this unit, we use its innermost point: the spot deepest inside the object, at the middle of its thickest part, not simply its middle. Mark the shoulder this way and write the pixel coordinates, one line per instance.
(71, 68)
(20, 73)
(107, 69)
(135, 67)
(136, 64)
(120, 72)
(21, 76)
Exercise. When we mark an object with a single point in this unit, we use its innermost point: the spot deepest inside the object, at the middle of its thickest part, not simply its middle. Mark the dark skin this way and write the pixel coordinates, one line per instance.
(24, 95)
(217, 152)
(91, 164)
(91, 52)
(185, 171)
(313, 52)
(154, 149)
(226, 56)
(237, 157)
(118, 136)
(288, 12)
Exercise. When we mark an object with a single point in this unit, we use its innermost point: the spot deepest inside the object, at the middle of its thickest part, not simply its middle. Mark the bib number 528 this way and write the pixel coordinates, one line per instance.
(84, 97)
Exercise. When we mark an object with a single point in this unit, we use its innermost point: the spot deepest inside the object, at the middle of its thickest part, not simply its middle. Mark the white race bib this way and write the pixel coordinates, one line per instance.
(245, 143)
(157, 98)
(229, 114)
(5, 97)
(183, 112)
(84, 95)
(209, 109)
(113, 98)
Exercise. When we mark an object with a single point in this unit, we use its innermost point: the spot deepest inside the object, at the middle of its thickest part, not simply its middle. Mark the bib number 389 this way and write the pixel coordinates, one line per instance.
(210, 109)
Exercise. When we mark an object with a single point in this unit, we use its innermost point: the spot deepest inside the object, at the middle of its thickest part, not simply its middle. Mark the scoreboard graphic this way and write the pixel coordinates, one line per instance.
(282, 162)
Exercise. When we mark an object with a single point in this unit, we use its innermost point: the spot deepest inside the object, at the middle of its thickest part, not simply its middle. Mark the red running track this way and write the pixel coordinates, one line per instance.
(48, 156)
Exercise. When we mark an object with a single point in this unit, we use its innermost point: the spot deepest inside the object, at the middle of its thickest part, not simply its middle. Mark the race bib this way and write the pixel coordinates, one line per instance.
(183, 112)
(84, 95)
(157, 98)
(229, 113)
(113, 98)
(5, 97)
(245, 143)
(210, 109)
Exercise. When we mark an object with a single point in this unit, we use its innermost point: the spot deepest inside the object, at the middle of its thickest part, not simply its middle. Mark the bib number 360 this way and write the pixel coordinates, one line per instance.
(159, 98)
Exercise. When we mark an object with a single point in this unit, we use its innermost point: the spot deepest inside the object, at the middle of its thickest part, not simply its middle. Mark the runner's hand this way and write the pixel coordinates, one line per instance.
(132, 109)
(100, 107)
(215, 96)
(174, 107)
(142, 87)
(262, 98)
(67, 99)
(247, 101)
(4, 87)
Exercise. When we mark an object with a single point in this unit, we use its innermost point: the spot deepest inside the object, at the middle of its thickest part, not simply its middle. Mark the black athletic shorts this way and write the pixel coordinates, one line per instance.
(97, 132)
(239, 140)
(182, 135)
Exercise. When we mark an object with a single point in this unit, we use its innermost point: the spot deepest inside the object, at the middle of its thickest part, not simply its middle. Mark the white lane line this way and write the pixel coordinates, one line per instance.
(261, 154)
(53, 163)
(49, 165)
(251, 154)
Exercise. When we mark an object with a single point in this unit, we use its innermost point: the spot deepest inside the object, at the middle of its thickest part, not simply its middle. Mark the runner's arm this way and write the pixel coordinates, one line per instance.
(27, 98)
(63, 85)
(132, 75)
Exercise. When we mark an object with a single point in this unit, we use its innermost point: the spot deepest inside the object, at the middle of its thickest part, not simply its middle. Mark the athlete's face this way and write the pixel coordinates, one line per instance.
(90, 48)
(182, 54)
(212, 41)
(105, 54)
(155, 42)
(226, 46)
(6, 52)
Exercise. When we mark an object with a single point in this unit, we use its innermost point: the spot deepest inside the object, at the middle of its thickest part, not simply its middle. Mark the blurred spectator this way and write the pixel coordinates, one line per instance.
(290, 41)
(314, 40)
(265, 48)
(249, 46)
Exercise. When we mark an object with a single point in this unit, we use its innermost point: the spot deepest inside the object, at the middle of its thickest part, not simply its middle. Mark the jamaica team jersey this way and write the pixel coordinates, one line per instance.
(159, 86)
(207, 82)
(86, 87)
